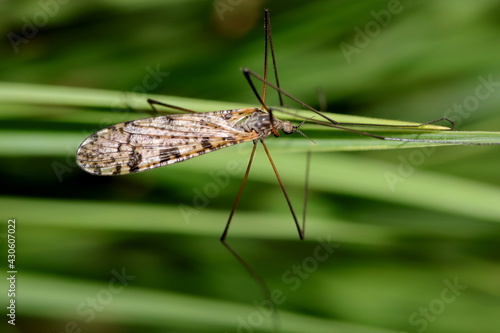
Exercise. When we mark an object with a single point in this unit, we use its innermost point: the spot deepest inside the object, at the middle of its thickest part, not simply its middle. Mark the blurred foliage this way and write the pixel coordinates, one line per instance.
(406, 224)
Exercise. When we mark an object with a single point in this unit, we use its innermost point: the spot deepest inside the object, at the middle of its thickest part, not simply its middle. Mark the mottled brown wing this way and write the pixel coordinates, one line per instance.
(150, 143)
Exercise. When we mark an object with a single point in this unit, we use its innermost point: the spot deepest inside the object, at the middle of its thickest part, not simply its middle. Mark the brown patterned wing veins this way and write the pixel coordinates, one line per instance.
(150, 143)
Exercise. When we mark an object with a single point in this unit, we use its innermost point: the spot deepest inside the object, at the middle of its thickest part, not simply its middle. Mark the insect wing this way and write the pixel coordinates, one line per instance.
(150, 143)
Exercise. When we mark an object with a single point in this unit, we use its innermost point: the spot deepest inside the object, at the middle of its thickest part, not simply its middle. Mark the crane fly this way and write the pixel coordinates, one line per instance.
(149, 143)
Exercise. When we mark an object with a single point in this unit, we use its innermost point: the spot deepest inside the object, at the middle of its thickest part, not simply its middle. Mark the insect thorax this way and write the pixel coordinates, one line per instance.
(260, 122)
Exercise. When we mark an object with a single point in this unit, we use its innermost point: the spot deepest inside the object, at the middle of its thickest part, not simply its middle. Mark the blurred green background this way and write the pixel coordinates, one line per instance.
(414, 232)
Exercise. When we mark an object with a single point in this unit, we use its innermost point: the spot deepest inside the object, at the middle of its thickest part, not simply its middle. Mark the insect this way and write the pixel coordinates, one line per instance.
(149, 143)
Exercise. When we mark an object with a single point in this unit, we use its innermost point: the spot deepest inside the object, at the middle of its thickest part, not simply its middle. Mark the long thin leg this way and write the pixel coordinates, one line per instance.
(269, 36)
(333, 123)
(299, 229)
(270, 45)
(260, 282)
(439, 119)
(306, 192)
(266, 36)
(257, 278)
(268, 41)
(238, 196)
(248, 73)
(153, 102)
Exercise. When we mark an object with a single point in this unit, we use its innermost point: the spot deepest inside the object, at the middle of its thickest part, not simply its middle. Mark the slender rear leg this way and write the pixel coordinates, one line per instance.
(153, 102)
(238, 196)
(253, 273)
(249, 73)
(299, 228)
